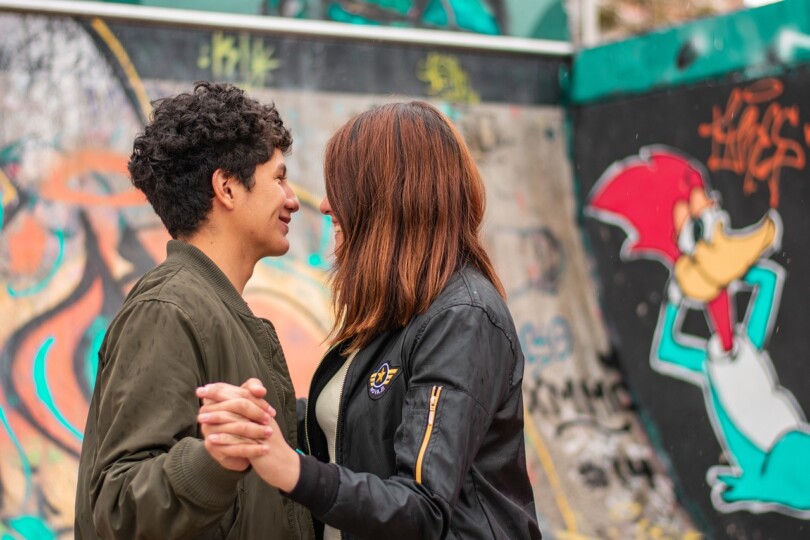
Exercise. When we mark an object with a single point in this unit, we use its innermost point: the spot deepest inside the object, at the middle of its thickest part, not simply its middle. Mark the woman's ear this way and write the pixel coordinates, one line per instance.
(223, 184)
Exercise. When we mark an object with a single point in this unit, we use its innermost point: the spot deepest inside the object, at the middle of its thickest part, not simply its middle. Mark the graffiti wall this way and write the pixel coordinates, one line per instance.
(75, 236)
(524, 18)
(695, 203)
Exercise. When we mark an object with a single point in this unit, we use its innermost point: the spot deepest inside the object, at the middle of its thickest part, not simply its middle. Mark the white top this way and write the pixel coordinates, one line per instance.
(326, 412)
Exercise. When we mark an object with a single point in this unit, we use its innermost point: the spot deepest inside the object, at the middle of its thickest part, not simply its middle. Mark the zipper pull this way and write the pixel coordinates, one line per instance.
(434, 399)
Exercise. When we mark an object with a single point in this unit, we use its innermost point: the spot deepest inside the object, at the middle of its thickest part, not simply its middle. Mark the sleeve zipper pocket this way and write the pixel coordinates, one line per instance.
(434, 401)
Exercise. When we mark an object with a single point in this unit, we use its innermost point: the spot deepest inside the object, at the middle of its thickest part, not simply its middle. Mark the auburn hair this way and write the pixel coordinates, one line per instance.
(410, 201)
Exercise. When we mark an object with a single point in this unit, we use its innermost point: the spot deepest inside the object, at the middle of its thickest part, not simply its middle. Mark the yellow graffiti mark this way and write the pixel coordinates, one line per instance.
(7, 190)
(240, 58)
(554, 480)
(121, 55)
(568, 535)
(446, 79)
(632, 512)
(624, 512)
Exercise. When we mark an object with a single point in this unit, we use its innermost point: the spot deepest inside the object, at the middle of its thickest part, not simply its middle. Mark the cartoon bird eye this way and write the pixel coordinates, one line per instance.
(697, 230)
(700, 229)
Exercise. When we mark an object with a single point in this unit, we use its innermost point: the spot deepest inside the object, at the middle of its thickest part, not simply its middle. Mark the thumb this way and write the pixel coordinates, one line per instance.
(255, 387)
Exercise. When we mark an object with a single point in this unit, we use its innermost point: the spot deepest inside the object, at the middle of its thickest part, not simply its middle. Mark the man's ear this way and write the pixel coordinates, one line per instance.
(223, 184)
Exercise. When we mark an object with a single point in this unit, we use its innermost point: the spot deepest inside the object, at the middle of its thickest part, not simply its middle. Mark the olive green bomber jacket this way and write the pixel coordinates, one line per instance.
(144, 472)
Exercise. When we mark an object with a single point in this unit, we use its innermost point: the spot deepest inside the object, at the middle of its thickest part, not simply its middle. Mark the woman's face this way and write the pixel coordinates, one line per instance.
(326, 209)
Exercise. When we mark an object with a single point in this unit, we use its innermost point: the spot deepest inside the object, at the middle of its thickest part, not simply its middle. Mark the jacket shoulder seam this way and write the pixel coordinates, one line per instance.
(471, 304)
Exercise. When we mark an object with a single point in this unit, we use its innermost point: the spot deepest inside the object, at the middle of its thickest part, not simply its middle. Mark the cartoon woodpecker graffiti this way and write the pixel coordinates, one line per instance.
(662, 201)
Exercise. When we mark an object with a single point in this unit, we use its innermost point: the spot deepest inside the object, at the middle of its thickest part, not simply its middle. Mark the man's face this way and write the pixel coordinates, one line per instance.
(267, 209)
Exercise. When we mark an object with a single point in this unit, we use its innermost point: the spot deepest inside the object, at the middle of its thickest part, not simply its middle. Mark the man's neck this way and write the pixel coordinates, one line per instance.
(228, 255)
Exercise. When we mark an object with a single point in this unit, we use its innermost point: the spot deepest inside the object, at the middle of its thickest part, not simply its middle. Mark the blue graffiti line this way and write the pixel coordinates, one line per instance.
(26, 466)
(44, 391)
(96, 334)
(34, 289)
(2, 207)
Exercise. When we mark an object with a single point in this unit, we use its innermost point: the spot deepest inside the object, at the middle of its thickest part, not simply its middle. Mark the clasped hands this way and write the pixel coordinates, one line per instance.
(240, 430)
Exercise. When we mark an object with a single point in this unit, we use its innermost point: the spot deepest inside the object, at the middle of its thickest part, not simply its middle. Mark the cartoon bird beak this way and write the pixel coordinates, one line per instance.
(726, 258)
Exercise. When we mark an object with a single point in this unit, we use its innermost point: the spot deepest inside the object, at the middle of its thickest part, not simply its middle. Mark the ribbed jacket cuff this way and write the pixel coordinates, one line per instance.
(198, 477)
(317, 487)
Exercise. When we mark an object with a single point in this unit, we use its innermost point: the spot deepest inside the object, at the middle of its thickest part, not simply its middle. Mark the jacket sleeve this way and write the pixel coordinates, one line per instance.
(465, 363)
(152, 477)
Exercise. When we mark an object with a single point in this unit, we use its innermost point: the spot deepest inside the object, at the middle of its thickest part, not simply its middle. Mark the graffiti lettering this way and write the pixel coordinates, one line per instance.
(599, 404)
(543, 345)
(751, 143)
(243, 59)
(446, 79)
(624, 468)
(593, 475)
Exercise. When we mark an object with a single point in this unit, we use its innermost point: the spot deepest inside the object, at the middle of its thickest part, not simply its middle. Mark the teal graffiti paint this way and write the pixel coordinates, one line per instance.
(43, 390)
(766, 286)
(317, 259)
(26, 466)
(95, 335)
(32, 527)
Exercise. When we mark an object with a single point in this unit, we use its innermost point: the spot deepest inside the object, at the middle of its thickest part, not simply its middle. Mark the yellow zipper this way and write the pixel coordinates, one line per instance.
(434, 401)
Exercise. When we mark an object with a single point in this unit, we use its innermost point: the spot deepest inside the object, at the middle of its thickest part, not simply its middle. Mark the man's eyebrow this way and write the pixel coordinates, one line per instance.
(282, 169)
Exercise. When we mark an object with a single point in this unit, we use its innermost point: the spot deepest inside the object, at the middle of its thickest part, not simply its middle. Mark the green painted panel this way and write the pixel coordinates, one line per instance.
(753, 42)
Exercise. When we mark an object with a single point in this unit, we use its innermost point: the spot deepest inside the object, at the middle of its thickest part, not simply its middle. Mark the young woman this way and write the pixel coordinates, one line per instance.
(414, 427)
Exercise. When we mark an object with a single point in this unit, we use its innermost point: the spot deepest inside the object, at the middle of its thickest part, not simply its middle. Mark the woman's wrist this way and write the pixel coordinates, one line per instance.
(290, 471)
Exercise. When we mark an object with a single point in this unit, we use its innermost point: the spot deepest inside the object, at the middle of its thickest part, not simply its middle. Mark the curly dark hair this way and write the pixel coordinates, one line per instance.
(191, 135)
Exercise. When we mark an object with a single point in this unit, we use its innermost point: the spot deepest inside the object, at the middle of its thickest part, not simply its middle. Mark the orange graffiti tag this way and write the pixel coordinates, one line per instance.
(27, 246)
(68, 168)
(751, 143)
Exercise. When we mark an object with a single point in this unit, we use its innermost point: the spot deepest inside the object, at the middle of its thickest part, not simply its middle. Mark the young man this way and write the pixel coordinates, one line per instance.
(211, 163)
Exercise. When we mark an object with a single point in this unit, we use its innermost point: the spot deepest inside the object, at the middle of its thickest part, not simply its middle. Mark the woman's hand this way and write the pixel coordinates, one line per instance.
(280, 465)
(235, 418)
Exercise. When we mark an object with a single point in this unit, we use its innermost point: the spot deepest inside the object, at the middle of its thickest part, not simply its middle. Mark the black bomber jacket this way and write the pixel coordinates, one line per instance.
(430, 428)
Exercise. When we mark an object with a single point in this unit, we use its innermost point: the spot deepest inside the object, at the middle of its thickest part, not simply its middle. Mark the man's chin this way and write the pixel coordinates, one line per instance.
(278, 251)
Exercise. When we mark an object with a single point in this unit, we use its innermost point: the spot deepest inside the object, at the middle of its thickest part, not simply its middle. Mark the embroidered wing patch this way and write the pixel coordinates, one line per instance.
(380, 380)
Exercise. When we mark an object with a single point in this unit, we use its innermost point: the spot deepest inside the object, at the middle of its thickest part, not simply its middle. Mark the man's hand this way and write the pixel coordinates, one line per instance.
(235, 417)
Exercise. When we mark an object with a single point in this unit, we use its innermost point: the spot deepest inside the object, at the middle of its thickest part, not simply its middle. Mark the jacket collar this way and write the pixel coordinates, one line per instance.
(183, 253)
